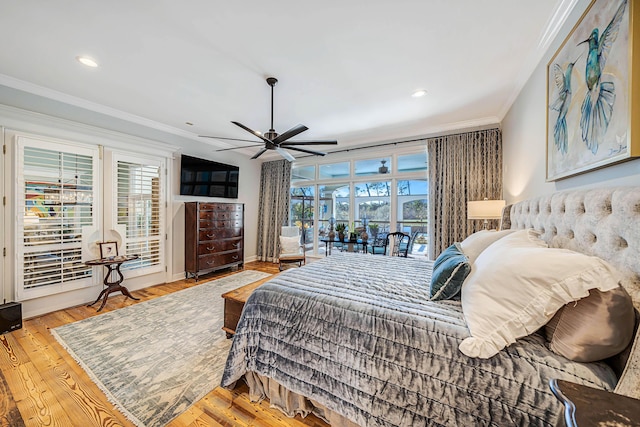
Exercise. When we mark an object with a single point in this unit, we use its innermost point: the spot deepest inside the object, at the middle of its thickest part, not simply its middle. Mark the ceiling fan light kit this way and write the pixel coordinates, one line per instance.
(274, 141)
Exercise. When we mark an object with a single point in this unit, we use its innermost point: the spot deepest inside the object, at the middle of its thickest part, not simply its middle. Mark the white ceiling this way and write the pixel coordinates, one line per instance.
(346, 69)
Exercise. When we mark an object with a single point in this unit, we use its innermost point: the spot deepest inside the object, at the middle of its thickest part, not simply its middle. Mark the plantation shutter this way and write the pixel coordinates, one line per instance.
(140, 203)
(57, 187)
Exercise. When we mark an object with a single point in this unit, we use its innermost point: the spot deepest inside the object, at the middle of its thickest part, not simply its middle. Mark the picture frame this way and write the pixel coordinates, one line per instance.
(592, 92)
(108, 250)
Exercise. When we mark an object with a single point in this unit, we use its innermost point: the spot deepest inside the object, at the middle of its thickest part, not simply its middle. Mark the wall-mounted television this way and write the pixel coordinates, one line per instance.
(200, 177)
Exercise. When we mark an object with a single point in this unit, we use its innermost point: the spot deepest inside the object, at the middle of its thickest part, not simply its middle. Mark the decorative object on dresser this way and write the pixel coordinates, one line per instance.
(214, 237)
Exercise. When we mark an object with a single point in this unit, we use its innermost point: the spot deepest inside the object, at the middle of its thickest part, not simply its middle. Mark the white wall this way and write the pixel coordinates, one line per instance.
(524, 139)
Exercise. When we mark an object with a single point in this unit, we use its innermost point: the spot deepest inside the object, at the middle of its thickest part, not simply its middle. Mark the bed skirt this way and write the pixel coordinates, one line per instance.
(290, 403)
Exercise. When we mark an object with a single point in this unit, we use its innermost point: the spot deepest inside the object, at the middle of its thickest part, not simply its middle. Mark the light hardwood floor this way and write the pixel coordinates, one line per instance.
(41, 385)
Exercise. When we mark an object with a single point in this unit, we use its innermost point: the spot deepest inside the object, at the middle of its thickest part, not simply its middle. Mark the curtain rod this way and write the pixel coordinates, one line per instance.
(422, 138)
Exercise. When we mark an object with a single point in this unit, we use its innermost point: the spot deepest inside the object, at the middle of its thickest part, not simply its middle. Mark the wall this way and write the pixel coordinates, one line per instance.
(524, 139)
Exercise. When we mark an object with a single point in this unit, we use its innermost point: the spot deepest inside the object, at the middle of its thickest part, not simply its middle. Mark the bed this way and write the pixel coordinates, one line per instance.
(355, 339)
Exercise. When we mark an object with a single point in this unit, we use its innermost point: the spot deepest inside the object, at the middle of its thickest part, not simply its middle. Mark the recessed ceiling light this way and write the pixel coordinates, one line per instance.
(419, 93)
(85, 60)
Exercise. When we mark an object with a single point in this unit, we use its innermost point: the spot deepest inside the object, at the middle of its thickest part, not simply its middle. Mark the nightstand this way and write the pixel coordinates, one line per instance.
(586, 406)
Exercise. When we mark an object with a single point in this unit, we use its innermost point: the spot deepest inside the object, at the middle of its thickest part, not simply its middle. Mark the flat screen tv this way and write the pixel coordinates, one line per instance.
(200, 177)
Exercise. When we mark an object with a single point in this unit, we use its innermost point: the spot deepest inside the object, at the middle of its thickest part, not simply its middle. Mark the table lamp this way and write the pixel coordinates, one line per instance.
(485, 209)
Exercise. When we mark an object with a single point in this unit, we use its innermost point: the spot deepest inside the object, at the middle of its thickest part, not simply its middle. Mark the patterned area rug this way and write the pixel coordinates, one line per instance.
(155, 359)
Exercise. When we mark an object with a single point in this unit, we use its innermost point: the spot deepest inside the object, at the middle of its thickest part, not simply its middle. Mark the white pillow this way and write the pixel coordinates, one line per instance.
(516, 286)
(289, 245)
(473, 245)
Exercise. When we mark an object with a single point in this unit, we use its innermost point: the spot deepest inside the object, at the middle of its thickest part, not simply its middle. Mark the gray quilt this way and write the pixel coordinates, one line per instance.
(358, 334)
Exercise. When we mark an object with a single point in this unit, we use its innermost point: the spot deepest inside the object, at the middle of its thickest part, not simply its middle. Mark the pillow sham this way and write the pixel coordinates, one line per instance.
(473, 245)
(449, 271)
(517, 285)
(593, 328)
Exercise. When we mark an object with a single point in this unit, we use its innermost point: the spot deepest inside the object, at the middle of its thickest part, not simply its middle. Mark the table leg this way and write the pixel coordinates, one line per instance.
(115, 286)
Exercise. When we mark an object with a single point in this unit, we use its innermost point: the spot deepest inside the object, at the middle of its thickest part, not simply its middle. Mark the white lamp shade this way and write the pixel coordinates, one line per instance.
(485, 209)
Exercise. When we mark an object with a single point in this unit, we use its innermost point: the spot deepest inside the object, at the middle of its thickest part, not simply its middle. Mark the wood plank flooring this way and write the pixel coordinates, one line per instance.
(41, 385)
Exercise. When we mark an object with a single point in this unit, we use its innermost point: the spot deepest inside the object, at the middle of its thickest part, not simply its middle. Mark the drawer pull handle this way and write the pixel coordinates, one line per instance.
(211, 236)
(210, 248)
(235, 257)
(237, 245)
(211, 262)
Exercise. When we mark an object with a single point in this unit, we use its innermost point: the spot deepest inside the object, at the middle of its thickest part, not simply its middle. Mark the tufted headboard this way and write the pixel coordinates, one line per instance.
(604, 222)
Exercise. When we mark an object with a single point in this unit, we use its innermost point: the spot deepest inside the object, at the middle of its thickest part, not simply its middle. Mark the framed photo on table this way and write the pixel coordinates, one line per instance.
(108, 249)
(593, 94)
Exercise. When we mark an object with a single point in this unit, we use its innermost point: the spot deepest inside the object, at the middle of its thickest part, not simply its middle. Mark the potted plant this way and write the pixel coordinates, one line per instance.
(340, 229)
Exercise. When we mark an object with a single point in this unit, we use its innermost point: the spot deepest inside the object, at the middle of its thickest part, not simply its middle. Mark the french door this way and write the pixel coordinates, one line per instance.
(69, 199)
(57, 199)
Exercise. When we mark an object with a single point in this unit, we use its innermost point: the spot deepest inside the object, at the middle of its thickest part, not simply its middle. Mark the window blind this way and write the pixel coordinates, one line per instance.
(139, 200)
(56, 202)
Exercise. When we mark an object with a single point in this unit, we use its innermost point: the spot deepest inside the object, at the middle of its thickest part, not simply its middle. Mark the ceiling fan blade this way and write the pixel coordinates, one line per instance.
(286, 144)
(237, 148)
(290, 134)
(259, 153)
(251, 131)
(230, 139)
(317, 153)
(284, 154)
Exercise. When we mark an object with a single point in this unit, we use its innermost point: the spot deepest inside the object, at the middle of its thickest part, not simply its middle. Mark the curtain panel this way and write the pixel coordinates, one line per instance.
(273, 208)
(462, 167)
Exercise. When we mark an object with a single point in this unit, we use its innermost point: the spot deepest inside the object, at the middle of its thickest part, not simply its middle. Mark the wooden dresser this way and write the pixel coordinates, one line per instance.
(214, 237)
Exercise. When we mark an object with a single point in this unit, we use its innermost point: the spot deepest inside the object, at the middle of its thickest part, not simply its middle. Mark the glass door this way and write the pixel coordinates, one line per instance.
(135, 214)
(56, 200)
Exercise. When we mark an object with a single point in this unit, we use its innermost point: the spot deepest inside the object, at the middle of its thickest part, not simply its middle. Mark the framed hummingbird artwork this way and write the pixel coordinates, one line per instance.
(593, 91)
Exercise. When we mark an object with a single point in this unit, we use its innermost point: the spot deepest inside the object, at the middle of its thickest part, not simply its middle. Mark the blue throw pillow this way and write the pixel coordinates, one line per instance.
(449, 272)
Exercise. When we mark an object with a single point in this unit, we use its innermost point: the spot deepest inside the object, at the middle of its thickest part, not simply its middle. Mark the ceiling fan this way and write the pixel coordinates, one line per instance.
(274, 141)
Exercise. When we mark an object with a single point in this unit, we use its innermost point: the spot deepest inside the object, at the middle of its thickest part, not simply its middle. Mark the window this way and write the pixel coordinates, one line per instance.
(303, 173)
(58, 187)
(412, 162)
(333, 202)
(139, 211)
(301, 213)
(379, 166)
(374, 203)
(383, 194)
(334, 170)
(413, 212)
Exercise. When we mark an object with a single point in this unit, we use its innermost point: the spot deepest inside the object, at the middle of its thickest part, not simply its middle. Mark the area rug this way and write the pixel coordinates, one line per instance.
(154, 359)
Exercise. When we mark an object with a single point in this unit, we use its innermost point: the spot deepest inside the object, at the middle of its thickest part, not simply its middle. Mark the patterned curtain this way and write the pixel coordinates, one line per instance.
(462, 167)
(273, 209)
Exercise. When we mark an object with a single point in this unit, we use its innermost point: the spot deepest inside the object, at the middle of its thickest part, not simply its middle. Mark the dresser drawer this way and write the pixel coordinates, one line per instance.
(219, 215)
(219, 233)
(219, 229)
(219, 246)
(221, 207)
(215, 223)
(212, 261)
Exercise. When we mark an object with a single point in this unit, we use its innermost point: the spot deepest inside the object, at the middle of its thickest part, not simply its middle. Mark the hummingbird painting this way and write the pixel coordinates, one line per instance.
(561, 105)
(597, 106)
